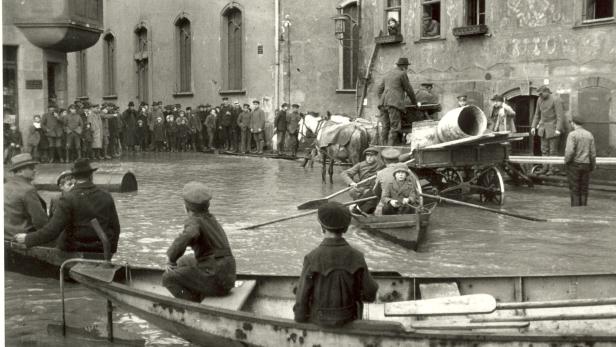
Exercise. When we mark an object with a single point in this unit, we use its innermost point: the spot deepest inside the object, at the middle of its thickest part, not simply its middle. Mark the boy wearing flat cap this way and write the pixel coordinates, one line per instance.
(211, 270)
(359, 172)
(335, 279)
(580, 160)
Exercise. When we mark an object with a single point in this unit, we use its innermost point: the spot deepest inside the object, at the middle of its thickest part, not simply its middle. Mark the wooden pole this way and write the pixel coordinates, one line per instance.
(555, 303)
(563, 316)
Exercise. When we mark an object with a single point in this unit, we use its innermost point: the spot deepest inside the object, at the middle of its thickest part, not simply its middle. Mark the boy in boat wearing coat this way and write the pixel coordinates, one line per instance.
(335, 279)
(400, 193)
(362, 170)
(211, 270)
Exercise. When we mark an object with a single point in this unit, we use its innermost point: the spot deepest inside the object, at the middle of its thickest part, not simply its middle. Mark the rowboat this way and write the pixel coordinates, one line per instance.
(41, 261)
(400, 229)
(258, 311)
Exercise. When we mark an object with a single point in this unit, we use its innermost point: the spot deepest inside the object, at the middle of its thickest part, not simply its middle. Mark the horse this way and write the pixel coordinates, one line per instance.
(336, 138)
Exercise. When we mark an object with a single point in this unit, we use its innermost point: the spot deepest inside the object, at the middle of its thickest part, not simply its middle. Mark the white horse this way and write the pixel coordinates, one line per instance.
(358, 140)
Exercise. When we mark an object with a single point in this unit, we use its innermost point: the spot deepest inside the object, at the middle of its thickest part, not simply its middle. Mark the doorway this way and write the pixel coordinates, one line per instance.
(524, 107)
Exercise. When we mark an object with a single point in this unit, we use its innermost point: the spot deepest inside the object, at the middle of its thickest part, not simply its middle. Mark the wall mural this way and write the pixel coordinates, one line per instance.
(533, 13)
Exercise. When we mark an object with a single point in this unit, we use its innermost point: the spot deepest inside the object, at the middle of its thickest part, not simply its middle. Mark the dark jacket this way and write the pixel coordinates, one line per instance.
(73, 214)
(334, 281)
(257, 120)
(243, 121)
(24, 210)
(226, 114)
(393, 87)
(52, 125)
(361, 170)
(549, 117)
(280, 121)
(210, 245)
(159, 133)
(293, 119)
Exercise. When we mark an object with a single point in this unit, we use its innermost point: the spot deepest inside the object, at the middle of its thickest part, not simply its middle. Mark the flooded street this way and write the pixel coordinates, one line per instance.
(247, 190)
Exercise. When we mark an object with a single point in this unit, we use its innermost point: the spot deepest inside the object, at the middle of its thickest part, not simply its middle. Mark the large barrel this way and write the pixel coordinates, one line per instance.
(461, 122)
(111, 181)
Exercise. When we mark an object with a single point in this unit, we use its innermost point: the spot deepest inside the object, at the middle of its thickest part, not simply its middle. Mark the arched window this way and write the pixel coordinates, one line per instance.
(184, 38)
(109, 73)
(349, 57)
(141, 60)
(232, 49)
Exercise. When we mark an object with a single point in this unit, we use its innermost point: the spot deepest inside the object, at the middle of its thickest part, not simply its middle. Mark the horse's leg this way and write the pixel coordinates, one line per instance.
(324, 162)
(331, 170)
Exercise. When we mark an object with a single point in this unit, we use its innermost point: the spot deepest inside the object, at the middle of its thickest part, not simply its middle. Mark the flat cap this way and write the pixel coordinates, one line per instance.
(544, 89)
(256, 101)
(577, 119)
(196, 193)
(498, 97)
(295, 105)
(390, 153)
(372, 150)
(333, 215)
(462, 97)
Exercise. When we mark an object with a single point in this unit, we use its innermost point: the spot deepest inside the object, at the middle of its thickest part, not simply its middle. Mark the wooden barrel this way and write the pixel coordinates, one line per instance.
(111, 181)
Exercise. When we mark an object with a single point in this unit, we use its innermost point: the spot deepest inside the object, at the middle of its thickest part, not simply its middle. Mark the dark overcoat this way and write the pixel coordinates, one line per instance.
(393, 87)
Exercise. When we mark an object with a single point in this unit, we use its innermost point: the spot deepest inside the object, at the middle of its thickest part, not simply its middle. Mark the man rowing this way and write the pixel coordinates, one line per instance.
(360, 172)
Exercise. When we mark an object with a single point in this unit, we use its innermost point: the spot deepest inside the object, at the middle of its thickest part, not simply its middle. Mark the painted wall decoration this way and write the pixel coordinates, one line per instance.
(532, 13)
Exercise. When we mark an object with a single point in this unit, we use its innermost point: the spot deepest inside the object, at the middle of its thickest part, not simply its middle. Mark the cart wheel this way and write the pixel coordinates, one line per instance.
(536, 169)
(493, 180)
(418, 188)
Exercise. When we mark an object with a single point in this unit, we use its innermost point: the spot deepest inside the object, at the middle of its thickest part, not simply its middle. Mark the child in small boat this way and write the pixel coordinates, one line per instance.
(399, 195)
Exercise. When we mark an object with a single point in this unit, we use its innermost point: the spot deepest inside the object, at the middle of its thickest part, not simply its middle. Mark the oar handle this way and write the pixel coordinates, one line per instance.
(482, 208)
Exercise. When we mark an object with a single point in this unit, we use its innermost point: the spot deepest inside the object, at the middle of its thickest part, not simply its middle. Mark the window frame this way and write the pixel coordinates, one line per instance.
(82, 73)
(227, 87)
(477, 15)
(184, 81)
(141, 59)
(351, 46)
(585, 8)
(392, 9)
(109, 65)
(430, 3)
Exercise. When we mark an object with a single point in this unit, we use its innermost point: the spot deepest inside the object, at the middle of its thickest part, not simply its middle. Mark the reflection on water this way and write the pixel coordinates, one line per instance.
(247, 191)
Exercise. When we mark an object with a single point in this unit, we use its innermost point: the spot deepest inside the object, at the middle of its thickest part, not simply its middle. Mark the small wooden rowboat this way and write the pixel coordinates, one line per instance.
(258, 311)
(41, 261)
(400, 229)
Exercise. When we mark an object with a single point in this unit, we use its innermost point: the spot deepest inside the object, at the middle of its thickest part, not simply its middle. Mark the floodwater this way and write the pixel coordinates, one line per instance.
(248, 190)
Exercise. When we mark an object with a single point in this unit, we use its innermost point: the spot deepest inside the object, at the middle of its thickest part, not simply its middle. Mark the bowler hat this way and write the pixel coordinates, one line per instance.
(195, 193)
(498, 97)
(334, 216)
(188, 108)
(372, 150)
(461, 97)
(62, 175)
(21, 160)
(390, 153)
(401, 168)
(284, 105)
(544, 89)
(403, 61)
(577, 119)
(256, 102)
(295, 105)
(82, 165)
(130, 103)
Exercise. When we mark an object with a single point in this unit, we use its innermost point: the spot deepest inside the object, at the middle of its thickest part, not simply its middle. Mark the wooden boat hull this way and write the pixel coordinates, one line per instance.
(399, 229)
(265, 319)
(39, 261)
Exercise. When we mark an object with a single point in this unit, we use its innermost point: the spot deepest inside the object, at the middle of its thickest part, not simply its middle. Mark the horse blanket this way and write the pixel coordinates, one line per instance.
(335, 133)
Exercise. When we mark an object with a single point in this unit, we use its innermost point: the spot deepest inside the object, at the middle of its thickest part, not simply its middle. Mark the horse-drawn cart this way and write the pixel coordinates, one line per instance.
(457, 171)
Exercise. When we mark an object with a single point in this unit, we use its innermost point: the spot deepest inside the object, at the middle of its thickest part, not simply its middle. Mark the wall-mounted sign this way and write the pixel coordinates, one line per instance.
(34, 84)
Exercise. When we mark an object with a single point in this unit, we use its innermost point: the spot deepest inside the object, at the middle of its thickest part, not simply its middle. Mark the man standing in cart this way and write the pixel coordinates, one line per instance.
(391, 93)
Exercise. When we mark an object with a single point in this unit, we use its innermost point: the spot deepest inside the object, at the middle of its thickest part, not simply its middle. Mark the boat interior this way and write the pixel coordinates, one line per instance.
(583, 305)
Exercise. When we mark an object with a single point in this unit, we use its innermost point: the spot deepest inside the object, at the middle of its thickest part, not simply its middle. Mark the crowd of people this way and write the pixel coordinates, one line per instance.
(104, 131)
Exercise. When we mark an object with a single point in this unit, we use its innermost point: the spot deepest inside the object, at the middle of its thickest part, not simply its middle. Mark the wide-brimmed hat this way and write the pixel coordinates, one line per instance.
(544, 89)
(498, 97)
(21, 160)
(390, 153)
(372, 150)
(196, 193)
(334, 216)
(403, 61)
(82, 165)
(62, 175)
(401, 168)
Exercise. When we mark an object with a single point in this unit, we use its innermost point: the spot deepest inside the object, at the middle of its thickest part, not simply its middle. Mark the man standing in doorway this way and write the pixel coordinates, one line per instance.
(580, 160)
(280, 126)
(548, 124)
(391, 92)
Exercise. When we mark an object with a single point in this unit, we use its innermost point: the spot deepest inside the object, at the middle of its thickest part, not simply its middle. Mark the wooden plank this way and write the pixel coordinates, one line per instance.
(392, 225)
(438, 290)
(527, 159)
(467, 325)
(466, 304)
(236, 298)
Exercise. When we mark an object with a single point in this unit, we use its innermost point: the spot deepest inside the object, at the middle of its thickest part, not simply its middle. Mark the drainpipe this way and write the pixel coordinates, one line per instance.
(277, 53)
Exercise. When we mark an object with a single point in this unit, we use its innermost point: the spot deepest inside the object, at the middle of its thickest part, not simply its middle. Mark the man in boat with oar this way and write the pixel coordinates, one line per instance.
(211, 270)
(24, 210)
(74, 214)
(359, 172)
(335, 279)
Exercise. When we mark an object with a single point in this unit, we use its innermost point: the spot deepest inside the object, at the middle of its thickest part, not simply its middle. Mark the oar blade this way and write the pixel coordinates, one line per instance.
(454, 305)
(312, 204)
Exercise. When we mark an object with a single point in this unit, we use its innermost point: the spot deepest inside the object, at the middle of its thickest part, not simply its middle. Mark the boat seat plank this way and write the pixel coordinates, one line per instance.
(236, 298)
(393, 225)
(438, 290)
(453, 305)
(466, 325)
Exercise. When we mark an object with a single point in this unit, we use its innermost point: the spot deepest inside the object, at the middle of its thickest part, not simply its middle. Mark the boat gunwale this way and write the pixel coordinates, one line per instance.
(400, 332)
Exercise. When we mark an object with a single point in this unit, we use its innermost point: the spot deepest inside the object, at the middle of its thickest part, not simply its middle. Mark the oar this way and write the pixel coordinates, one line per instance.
(318, 202)
(453, 305)
(304, 214)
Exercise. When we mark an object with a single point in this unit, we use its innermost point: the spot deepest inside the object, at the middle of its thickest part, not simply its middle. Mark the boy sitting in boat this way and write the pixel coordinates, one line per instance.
(211, 270)
(399, 195)
(335, 278)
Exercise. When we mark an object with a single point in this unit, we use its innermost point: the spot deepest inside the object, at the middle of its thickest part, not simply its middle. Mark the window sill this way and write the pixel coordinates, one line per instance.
(182, 94)
(430, 39)
(232, 92)
(595, 23)
(83, 97)
(110, 97)
(388, 39)
(470, 30)
(346, 91)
